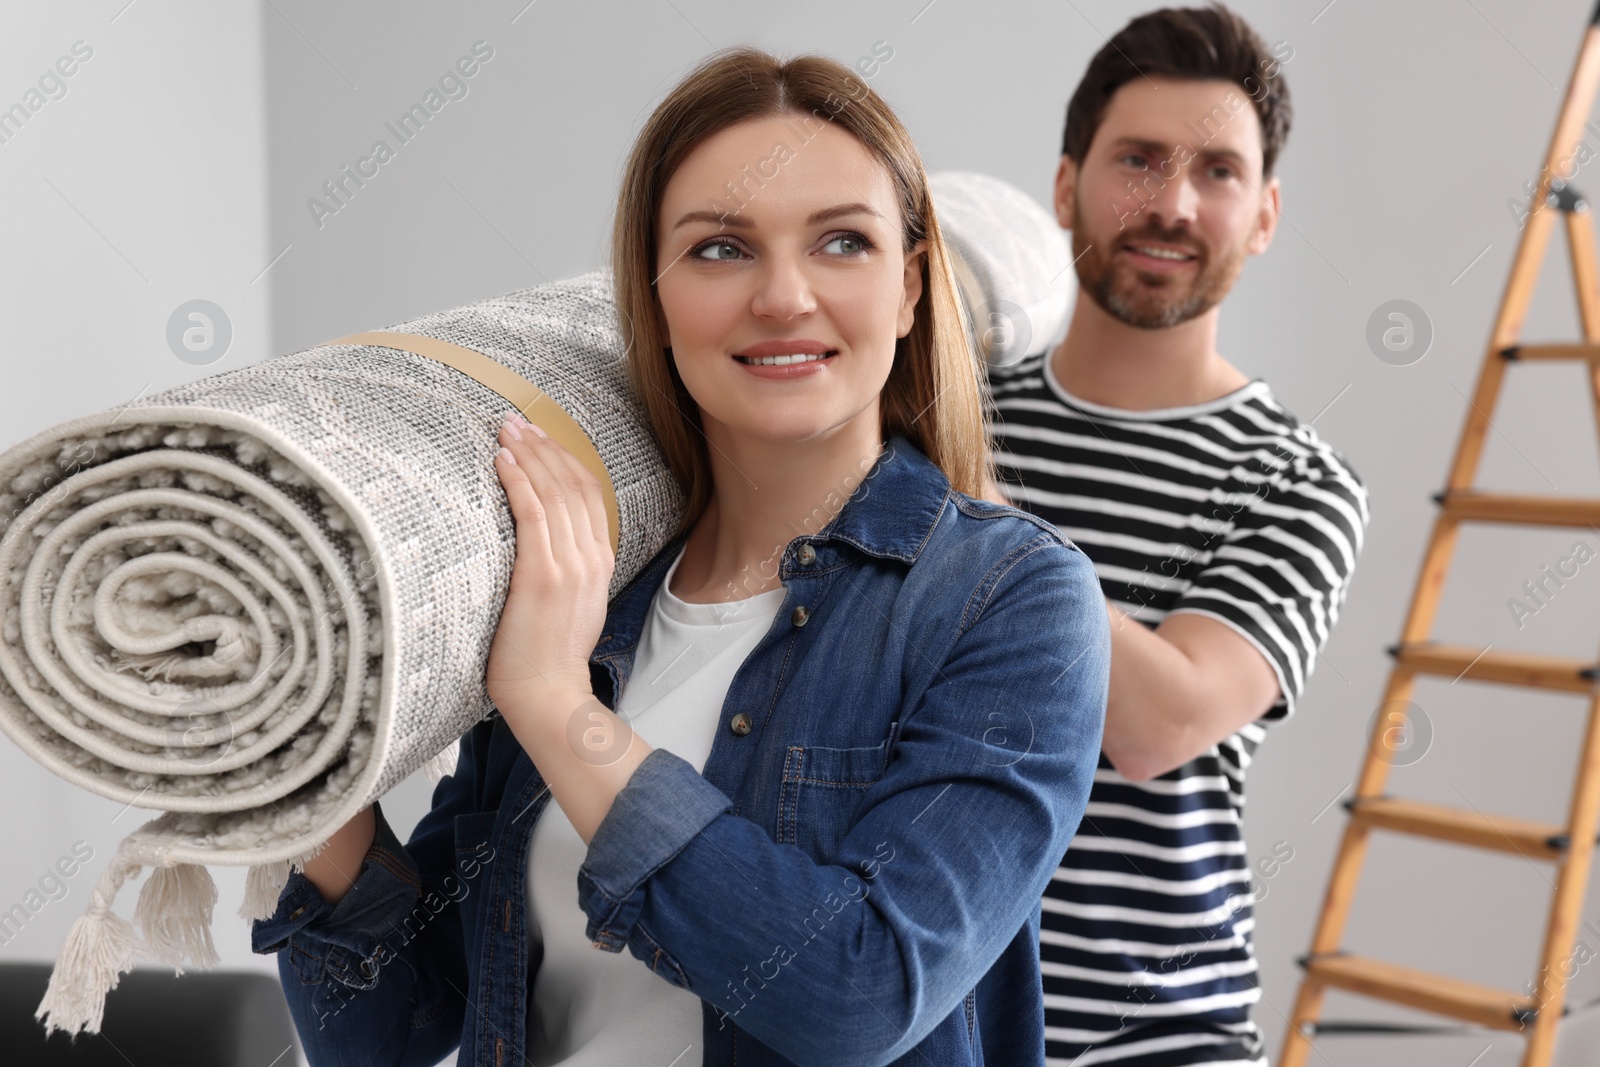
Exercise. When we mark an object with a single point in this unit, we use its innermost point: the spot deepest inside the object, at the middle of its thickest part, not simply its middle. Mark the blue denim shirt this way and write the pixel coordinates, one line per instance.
(855, 875)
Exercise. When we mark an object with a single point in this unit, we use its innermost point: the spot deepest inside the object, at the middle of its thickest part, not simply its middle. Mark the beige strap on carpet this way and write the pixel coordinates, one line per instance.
(534, 403)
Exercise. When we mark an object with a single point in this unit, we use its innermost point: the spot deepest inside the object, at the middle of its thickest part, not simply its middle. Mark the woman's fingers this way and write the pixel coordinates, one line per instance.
(599, 521)
(569, 495)
(539, 467)
(555, 607)
(533, 536)
(589, 521)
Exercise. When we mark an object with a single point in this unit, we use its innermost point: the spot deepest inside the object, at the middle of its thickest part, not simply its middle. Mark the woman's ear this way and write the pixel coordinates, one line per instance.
(913, 286)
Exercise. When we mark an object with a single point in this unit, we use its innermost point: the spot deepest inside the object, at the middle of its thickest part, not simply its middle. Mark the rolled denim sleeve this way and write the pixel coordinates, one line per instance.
(374, 978)
(947, 859)
(351, 932)
(665, 804)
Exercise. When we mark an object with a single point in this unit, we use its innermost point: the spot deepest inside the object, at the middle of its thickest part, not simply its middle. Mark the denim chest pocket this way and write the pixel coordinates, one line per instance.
(822, 791)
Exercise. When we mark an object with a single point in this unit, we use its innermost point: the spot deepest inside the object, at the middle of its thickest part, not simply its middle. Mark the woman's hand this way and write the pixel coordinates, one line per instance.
(538, 671)
(556, 606)
(335, 869)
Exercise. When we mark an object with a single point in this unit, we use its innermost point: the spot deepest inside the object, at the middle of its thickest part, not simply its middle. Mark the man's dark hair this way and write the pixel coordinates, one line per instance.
(1194, 44)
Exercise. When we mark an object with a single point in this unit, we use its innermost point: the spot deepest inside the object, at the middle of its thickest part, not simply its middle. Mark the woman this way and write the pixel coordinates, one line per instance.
(815, 764)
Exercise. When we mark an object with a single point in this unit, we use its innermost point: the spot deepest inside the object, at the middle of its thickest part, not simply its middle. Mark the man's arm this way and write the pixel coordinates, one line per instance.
(1175, 690)
(1248, 623)
(1280, 574)
(1179, 689)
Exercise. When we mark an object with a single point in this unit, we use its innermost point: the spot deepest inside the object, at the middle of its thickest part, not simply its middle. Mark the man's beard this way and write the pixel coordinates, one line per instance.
(1145, 299)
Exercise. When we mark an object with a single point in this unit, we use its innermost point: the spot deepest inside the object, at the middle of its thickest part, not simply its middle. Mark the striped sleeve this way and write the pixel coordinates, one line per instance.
(1283, 567)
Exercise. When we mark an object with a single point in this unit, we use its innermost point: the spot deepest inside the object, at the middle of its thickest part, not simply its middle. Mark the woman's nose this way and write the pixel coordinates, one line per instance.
(783, 290)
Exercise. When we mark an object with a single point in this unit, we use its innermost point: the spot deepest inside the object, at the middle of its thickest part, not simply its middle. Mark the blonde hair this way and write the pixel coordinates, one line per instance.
(936, 392)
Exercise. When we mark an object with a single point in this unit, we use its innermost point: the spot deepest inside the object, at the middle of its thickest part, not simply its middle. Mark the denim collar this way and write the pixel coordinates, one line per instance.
(891, 514)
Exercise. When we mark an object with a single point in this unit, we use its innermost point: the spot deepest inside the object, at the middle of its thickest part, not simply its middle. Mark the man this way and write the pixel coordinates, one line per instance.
(1224, 533)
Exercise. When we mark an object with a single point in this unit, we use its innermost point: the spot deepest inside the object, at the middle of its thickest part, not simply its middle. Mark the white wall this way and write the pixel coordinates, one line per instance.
(183, 155)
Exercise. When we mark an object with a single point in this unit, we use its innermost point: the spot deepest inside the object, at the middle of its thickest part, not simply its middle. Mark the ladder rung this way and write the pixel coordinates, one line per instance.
(1506, 668)
(1468, 504)
(1341, 1027)
(1534, 840)
(1437, 993)
(1590, 353)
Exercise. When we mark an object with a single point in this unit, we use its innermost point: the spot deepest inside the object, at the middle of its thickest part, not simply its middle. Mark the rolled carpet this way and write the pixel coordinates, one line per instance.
(259, 601)
(1011, 262)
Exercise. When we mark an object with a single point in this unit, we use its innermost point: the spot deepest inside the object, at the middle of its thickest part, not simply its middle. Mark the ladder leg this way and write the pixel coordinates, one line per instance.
(1594, 382)
(1307, 1008)
(1374, 774)
(1555, 962)
(1529, 256)
(1352, 851)
(1585, 271)
(1586, 276)
(1566, 908)
(1508, 325)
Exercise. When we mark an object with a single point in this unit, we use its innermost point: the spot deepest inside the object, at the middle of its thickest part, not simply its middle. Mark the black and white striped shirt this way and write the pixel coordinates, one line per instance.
(1232, 509)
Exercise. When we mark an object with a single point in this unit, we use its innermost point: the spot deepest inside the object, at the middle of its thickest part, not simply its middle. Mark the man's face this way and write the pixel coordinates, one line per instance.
(1168, 200)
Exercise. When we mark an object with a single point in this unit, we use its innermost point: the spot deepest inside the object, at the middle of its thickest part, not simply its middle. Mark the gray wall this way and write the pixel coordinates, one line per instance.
(180, 162)
(139, 188)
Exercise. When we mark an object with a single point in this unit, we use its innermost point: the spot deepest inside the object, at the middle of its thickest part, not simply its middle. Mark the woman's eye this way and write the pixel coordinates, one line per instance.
(859, 240)
(716, 244)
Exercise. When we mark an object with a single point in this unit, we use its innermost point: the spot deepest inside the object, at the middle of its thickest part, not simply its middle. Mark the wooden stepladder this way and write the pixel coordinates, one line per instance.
(1570, 847)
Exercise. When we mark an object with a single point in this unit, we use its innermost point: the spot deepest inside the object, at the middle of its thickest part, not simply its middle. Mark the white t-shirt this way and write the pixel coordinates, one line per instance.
(592, 1007)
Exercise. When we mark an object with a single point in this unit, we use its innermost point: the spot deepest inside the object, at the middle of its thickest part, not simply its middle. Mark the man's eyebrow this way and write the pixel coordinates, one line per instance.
(734, 219)
(1154, 148)
(1223, 153)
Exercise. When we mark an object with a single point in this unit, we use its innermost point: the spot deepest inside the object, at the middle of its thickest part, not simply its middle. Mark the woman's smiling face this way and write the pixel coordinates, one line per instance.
(804, 258)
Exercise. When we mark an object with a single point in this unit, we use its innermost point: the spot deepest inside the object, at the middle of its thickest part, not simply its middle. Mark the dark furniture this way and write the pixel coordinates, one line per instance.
(154, 1019)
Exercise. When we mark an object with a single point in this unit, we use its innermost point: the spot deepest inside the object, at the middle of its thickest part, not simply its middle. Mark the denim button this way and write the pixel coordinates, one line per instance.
(807, 555)
(800, 615)
(740, 724)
